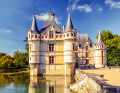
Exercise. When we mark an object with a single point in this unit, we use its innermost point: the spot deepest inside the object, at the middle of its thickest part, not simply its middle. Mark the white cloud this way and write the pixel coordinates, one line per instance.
(75, 6)
(44, 17)
(113, 4)
(99, 8)
(6, 30)
(85, 8)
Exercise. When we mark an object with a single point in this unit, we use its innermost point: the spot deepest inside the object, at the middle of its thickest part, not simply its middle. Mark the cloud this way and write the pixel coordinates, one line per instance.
(44, 17)
(6, 30)
(113, 4)
(99, 8)
(75, 6)
(85, 8)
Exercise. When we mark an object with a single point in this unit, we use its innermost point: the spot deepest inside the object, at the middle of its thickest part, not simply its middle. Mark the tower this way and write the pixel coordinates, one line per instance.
(34, 47)
(100, 48)
(69, 40)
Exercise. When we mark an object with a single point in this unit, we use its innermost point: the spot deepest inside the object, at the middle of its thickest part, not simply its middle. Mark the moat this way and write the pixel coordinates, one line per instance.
(24, 83)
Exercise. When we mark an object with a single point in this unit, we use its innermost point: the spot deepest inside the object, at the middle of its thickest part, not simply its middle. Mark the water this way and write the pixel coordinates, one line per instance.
(23, 83)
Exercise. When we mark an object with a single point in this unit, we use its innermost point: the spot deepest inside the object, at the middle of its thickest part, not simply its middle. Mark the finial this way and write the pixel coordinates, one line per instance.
(69, 6)
(50, 8)
(34, 10)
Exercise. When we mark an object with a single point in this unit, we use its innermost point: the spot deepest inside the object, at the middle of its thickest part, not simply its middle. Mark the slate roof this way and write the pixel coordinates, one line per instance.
(83, 38)
(69, 26)
(99, 40)
(34, 27)
(50, 22)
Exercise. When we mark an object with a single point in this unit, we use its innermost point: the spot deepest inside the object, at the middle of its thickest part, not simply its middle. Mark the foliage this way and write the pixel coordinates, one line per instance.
(113, 47)
(2, 54)
(6, 62)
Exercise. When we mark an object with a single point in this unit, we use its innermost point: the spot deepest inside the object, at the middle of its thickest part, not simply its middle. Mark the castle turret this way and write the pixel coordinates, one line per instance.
(69, 40)
(100, 48)
(34, 47)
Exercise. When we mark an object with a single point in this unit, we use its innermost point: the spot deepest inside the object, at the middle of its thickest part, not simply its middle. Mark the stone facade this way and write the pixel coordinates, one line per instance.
(55, 51)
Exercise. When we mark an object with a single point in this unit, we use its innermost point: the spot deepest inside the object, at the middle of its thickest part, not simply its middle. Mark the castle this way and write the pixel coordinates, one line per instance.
(55, 51)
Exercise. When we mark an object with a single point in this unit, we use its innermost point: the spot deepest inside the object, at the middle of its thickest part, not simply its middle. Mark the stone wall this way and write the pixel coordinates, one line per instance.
(91, 83)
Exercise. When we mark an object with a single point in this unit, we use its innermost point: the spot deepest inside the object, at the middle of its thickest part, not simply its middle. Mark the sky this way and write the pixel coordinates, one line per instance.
(16, 18)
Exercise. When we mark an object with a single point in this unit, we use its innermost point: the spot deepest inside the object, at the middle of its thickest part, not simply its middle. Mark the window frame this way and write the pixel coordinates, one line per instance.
(51, 47)
(51, 34)
(51, 59)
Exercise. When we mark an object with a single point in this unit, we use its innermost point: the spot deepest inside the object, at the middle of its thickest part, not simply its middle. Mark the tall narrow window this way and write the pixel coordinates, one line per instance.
(86, 54)
(67, 35)
(86, 47)
(51, 59)
(87, 61)
(51, 34)
(76, 54)
(102, 53)
(42, 36)
(73, 46)
(56, 36)
(51, 47)
(35, 36)
(76, 48)
(51, 89)
(29, 35)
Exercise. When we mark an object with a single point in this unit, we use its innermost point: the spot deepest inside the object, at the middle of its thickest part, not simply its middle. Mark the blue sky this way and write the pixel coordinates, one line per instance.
(16, 18)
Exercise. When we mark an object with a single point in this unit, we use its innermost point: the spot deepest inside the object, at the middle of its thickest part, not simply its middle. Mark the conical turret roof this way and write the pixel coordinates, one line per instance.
(34, 27)
(69, 26)
(100, 40)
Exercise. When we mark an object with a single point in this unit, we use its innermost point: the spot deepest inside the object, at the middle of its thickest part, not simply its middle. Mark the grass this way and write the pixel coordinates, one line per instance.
(11, 73)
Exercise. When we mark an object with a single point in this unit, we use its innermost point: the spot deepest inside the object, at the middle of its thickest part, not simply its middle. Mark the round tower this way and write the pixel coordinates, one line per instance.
(34, 47)
(100, 56)
(69, 40)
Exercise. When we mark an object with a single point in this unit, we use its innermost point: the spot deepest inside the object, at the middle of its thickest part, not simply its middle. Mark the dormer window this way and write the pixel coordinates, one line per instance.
(29, 35)
(67, 35)
(51, 34)
(86, 47)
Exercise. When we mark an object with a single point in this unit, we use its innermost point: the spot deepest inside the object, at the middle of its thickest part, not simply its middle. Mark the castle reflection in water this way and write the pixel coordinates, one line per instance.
(50, 84)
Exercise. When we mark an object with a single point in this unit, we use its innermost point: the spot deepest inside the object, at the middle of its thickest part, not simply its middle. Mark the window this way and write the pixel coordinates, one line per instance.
(86, 47)
(56, 36)
(51, 34)
(51, 59)
(42, 36)
(76, 48)
(74, 34)
(87, 61)
(31, 36)
(30, 58)
(51, 89)
(102, 46)
(73, 46)
(35, 36)
(76, 54)
(86, 54)
(102, 53)
(39, 36)
(79, 45)
(51, 47)
(71, 34)
(60, 36)
(45, 36)
(90, 45)
(67, 35)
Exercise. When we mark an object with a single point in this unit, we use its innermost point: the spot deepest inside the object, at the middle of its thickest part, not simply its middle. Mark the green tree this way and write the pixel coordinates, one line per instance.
(2, 54)
(6, 62)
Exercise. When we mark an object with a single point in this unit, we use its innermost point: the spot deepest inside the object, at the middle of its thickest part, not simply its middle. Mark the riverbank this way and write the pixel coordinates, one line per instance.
(18, 71)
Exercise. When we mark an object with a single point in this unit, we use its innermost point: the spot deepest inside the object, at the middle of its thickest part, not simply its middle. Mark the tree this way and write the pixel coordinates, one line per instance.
(2, 54)
(6, 62)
